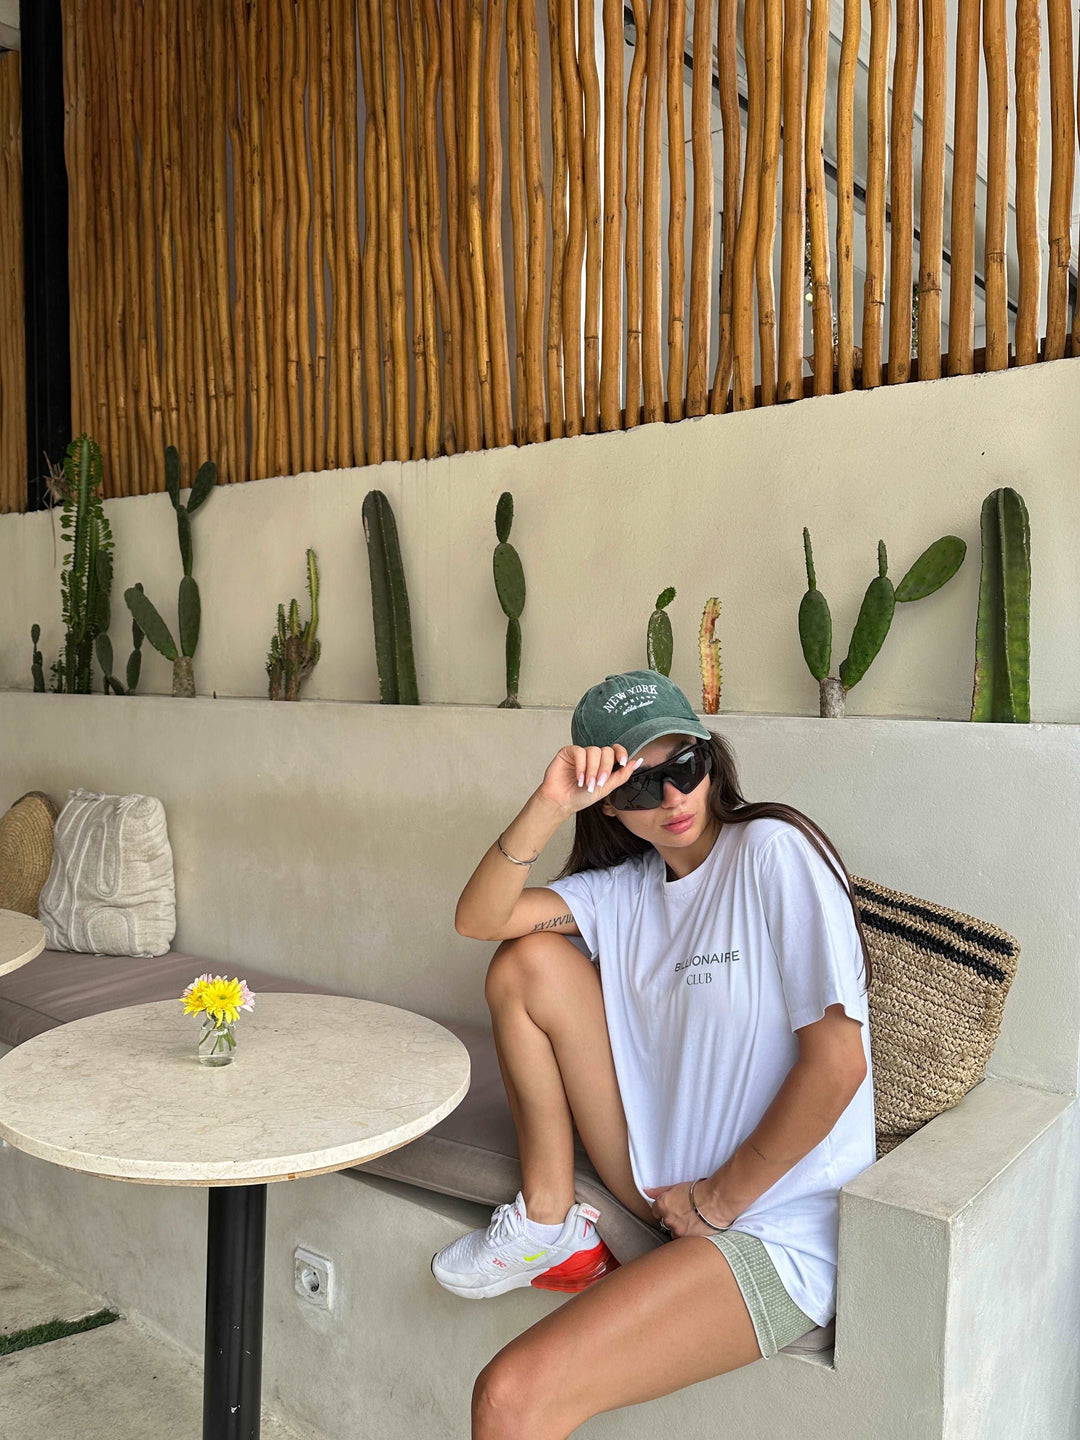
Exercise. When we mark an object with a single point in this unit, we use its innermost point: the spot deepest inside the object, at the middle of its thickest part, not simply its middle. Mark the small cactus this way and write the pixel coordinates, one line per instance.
(37, 662)
(1002, 689)
(85, 582)
(510, 588)
(103, 649)
(389, 604)
(189, 605)
(294, 652)
(709, 648)
(936, 565)
(658, 641)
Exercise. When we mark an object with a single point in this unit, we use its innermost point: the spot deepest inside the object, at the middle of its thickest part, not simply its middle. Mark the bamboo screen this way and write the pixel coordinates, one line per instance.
(12, 351)
(318, 233)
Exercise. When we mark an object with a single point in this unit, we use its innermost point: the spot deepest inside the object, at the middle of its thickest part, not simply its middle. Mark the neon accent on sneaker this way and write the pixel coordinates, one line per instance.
(579, 1271)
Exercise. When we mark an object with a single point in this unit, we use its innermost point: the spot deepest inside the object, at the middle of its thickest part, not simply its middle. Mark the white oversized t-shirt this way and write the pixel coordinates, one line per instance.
(705, 980)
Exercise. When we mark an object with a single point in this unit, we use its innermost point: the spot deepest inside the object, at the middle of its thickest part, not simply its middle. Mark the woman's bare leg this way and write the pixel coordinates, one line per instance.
(551, 1036)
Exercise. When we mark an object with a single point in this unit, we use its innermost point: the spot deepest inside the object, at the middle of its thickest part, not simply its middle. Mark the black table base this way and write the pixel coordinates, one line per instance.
(232, 1357)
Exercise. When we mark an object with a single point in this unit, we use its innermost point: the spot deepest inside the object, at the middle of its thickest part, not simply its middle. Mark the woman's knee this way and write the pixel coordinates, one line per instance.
(503, 1400)
(518, 965)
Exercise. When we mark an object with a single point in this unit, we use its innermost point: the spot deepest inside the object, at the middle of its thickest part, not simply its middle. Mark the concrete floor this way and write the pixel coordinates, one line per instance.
(119, 1382)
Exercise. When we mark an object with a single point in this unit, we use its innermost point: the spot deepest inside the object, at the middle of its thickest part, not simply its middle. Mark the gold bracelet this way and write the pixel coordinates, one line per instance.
(511, 857)
(700, 1216)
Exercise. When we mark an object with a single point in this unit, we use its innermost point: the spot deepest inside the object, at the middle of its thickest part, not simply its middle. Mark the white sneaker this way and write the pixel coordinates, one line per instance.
(503, 1257)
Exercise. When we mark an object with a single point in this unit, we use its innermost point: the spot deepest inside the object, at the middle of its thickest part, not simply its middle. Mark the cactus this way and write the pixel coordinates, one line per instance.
(85, 583)
(709, 648)
(189, 605)
(510, 588)
(37, 661)
(104, 650)
(658, 640)
(294, 653)
(1002, 688)
(389, 604)
(936, 565)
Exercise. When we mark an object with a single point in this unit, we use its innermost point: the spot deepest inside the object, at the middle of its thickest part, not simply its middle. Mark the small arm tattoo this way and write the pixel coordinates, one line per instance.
(552, 924)
(755, 1149)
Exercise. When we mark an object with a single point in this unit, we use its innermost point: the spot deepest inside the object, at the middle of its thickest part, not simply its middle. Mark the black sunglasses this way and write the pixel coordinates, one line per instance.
(645, 789)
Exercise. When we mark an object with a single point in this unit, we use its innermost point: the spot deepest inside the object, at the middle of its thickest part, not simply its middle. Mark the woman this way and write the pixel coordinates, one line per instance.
(720, 1079)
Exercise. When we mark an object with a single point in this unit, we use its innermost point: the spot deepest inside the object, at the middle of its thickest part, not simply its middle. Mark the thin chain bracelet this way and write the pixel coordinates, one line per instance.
(511, 857)
(701, 1217)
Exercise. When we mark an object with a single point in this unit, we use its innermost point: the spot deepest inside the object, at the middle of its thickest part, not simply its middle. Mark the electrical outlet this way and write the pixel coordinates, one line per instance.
(313, 1278)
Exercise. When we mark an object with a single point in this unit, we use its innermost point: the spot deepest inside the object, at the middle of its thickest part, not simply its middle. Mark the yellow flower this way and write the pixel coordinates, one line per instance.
(218, 997)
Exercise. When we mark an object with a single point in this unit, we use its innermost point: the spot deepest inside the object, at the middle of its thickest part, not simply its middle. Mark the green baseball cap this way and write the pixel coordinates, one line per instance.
(633, 709)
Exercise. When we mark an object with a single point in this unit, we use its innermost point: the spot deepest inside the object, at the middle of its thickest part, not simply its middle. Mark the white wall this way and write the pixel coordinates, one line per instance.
(713, 506)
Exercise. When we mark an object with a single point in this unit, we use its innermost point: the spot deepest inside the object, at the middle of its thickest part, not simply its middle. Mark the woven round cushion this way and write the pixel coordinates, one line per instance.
(937, 994)
(26, 851)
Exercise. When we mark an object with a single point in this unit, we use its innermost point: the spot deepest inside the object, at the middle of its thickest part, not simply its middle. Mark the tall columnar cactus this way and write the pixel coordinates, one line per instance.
(188, 605)
(658, 641)
(389, 604)
(37, 661)
(936, 565)
(1002, 688)
(294, 652)
(87, 576)
(510, 588)
(104, 651)
(712, 677)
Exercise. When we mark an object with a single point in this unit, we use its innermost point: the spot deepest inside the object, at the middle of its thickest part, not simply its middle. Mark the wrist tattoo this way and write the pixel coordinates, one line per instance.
(553, 924)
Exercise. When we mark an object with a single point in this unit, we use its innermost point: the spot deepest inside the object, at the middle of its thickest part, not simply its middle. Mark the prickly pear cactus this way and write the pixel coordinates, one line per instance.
(37, 661)
(294, 652)
(389, 604)
(709, 650)
(510, 588)
(1002, 689)
(658, 641)
(872, 626)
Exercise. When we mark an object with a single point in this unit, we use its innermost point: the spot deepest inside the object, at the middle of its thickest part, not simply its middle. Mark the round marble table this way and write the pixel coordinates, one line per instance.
(21, 938)
(318, 1083)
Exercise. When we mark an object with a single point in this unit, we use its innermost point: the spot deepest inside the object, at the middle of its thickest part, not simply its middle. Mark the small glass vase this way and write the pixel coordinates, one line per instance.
(217, 1043)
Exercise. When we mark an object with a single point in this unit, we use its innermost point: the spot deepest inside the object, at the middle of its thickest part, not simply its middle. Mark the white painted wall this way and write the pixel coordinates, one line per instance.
(713, 506)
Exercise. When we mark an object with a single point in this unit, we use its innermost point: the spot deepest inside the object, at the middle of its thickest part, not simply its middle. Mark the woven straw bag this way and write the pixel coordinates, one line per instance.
(26, 851)
(936, 998)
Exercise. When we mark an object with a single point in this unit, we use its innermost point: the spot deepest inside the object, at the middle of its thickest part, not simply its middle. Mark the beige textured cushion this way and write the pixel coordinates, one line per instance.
(110, 890)
(26, 850)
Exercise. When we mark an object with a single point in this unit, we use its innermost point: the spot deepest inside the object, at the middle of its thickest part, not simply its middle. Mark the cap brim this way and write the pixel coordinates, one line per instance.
(639, 736)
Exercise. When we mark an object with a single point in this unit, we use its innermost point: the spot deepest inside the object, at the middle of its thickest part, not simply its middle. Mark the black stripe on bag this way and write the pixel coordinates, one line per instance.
(948, 922)
(922, 941)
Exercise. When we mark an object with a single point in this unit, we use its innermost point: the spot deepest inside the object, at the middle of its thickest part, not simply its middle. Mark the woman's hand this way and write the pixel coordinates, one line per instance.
(580, 775)
(671, 1204)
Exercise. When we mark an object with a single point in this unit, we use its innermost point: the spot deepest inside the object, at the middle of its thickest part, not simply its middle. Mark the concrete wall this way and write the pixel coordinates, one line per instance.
(713, 506)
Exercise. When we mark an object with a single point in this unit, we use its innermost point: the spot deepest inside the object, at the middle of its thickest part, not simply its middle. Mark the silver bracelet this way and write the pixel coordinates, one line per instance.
(511, 857)
(700, 1216)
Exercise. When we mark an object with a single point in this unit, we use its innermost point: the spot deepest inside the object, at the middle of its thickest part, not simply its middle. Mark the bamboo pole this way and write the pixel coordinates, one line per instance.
(473, 99)
(816, 200)
(555, 365)
(611, 302)
(369, 262)
(1076, 302)
(318, 138)
(455, 357)
(518, 222)
(107, 411)
(204, 185)
(965, 161)
(634, 98)
(475, 410)
(149, 237)
(652, 283)
(432, 411)
(792, 208)
(284, 116)
(1027, 181)
(412, 210)
(1062, 126)
(492, 244)
(258, 201)
(128, 45)
(874, 283)
(732, 130)
(701, 248)
(590, 89)
(932, 189)
(770, 165)
(275, 196)
(220, 240)
(445, 429)
(125, 458)
(996, 310)
(676, 234)
(742, 304)
(352, 383)
(234, 51)
(535, 424)
(343, 119)
(179, 224)
(301, 227)
(575, 239)
(163, 59)
(383, 254)
(902, 190)
(76, 285)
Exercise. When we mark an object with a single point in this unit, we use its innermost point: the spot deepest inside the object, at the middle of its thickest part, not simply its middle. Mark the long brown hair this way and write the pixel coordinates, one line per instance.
(602, 841)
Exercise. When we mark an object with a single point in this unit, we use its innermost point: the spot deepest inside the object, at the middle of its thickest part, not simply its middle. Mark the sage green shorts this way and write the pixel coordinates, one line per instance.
(777, 1319)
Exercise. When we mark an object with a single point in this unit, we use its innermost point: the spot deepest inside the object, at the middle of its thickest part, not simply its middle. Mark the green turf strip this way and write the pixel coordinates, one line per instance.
(54, 1330)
